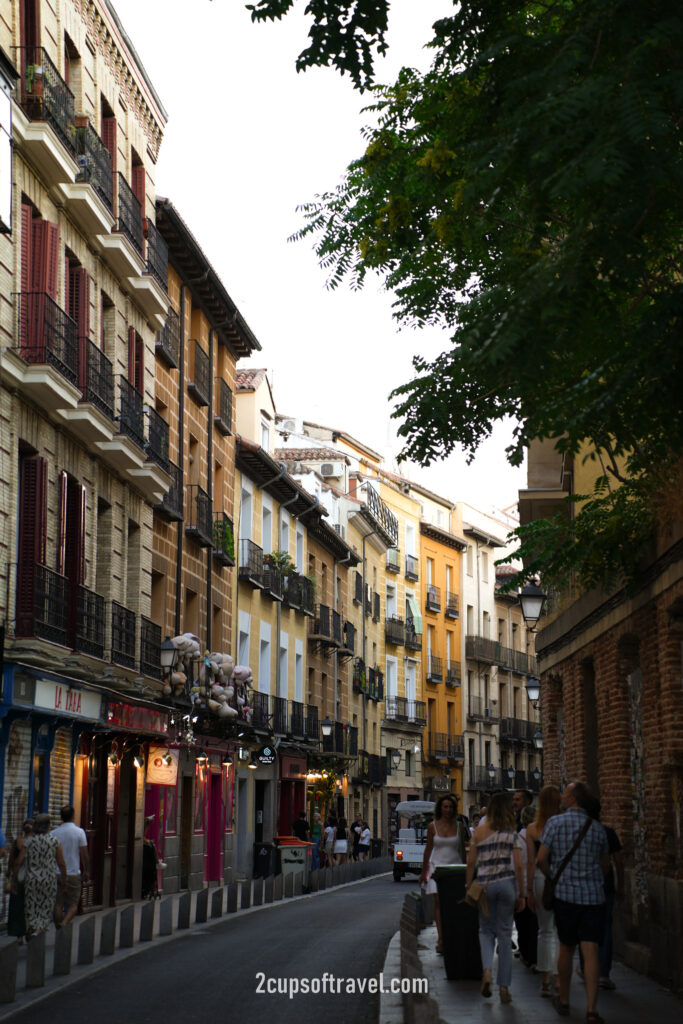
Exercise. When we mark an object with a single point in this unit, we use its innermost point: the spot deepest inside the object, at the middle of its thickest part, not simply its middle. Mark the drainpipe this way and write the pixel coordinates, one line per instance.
(209, 490)
(181, 475)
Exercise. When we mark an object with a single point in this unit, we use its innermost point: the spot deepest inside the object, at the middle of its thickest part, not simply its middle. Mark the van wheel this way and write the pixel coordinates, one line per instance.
(398, 874)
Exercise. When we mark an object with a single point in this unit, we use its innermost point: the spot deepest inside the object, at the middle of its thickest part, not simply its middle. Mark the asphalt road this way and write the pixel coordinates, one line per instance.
(212, 974)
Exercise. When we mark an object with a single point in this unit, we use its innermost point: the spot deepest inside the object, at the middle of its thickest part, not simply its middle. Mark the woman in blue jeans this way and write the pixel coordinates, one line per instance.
(496, 853)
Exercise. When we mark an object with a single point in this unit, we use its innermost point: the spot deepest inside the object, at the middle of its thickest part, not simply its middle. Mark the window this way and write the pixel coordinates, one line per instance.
(409, 762)
(430, 571)
(486, 617)
(391, 601)
(299, 548)
(410, 539)
(470, 560)
(136, 361)
(265, 436)
(391, 678)
(5, 155)
(411, 680)
(283, 687)
(470, 620)
(246, 510)
(243, 655)
(284, 532)
(298, 671)
(485, 566)
(266, 523)
(264, 659)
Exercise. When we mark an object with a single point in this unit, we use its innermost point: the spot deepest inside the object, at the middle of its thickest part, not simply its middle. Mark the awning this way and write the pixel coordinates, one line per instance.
(414, 610)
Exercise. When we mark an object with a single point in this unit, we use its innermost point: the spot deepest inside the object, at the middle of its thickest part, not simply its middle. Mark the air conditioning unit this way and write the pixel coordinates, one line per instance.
(332, 469)
(341, 530)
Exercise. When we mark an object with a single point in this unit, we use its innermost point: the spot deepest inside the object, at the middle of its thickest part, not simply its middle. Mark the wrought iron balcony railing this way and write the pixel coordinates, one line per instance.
(297, 718)
(307, 596)
(89, 623)
(130, 214)
(413, 639)
(456, 748)
(260, 713)
(412, 569)
(46, 334)
(272, 579)
(171, 506)
(44, 95)
(475, 707)
(349, 637)
(359, 677)
(278, 710)
(325, 628)
(483, 649)
(198, 520)
(437, 746)
(292, 590)
(223, 409)
(394, 631)
(402, 710)
(122, 636)
(97, 378)
(168, 340)
(157, 438)
(311, 727)
(452, 605)
(47, 595)
(375, 684)
(94, 164)
(434, 668)
(433, 598)
(157, 256)
(250, 563)
(393, 560)
(200, 385)
(131, 412)
(223, 539)
(384, 518)
(453, 673)
(150, 648)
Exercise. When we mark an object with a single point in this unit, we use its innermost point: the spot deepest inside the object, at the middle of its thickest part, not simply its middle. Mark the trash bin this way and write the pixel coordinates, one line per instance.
(266, 860)
(295, 856)
(459, 925)
(376, 847)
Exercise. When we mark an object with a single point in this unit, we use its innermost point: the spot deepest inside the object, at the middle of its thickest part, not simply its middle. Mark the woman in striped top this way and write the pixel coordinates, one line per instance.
(496, 853)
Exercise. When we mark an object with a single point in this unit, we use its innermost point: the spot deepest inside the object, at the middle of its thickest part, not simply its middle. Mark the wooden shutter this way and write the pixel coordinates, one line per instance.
(61, 526)
(26, 246)
(44, 256)
(79, 310)
(139, 365)
(131, 356)
(109, 139)
(139, 182)
(32, 531)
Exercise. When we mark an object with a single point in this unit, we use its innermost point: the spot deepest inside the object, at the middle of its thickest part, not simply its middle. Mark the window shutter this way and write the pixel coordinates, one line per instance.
(61, 536)
(131, 356)
(67, 285)
(139, 365)
(32, 527)
(139, 182)
(109, 139)
(26, 246)
(79, 310)
(44, 256)
(74, 561)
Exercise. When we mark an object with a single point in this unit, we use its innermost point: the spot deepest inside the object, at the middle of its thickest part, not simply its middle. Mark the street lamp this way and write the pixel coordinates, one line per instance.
(168, 654)
(510, 772)
(532, 599)
(491, 773)
(396, 758)
(538, 739)
(533, 689)
(536, 775)
(326, 726)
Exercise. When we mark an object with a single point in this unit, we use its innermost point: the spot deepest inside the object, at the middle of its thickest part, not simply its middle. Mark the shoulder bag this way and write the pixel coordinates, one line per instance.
(548, 897)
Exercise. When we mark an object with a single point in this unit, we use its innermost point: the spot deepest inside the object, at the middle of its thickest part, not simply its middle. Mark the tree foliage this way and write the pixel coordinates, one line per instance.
(526, 193)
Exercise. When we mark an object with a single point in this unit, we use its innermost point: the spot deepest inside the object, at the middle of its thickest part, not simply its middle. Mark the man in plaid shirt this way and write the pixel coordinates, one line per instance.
(579, 892)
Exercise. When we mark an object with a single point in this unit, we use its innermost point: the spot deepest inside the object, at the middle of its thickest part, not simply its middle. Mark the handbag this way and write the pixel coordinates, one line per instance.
(476, 897)
(548, 895)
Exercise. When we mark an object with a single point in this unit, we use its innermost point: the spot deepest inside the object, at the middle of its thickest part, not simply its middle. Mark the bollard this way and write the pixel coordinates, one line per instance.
(257, 898)
(166, 916)
(277, 888)
(63, 943)
(298, 883)
(35, 962)
(268, 889)
(201, 906)
(217, 903)
(9, 958)
(314, 880)
(232, 898)
(86, 940)
(127, 928)
(108, 934)
(245, 894)
(184, 907)
(289, 886)
(147, 921)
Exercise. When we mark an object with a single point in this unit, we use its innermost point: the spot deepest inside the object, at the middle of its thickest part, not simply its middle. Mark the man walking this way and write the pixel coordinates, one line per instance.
(75, 848)
(579, 892)
(521, 798)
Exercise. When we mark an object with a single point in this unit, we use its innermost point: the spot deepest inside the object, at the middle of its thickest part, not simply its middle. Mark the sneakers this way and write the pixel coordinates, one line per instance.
(607, 983)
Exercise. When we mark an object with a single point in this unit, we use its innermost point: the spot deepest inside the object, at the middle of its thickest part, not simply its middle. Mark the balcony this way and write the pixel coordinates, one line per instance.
(307, 596)
(475, 708)
(122, 636)
(359, 678)
(278, 710)
(399, 709)
(94, 164)
(223, 539)
(311, 727)
(518, 730)
(453, 674)
(198, 520)
(260, 713)
(129, 221)
(348, 642)
(434, 668)
(456, 748)
(393, 563)
(412, 568)
(297, 719)
(292, 590)
(437, 746)
(272, 579)
(375, 689)
(322, 632)
(47, 342)
(150, 648)
(200, 385)
(250, 563)
(433, 598)
(222, 419)
(484, 650)
(131, 413)
(157, 439)
(98, 380)
(479, 778)
(370, 769)
(157, 256)
(394, 631)
(168, 340)
(48, 135)
(452, 605)
(376, 520)
(42, 603)
(171, 506)
(413, 639)
(89, 623)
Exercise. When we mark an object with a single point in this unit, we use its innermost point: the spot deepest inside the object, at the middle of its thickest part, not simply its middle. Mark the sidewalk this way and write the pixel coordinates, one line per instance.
(636, 1000)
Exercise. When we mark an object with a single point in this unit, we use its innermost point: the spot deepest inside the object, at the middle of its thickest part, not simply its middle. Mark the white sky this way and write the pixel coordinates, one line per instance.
(247, 141)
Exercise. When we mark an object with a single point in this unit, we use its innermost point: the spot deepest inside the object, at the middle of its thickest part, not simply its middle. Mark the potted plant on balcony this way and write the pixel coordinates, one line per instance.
(224, 538)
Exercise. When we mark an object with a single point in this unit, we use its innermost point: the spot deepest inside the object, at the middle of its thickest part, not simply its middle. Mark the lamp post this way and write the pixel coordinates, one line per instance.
(168, 655)
(326, 727)
(491, 771)
(510, 771)
(533, 689)
(396, 758)
(532, 599)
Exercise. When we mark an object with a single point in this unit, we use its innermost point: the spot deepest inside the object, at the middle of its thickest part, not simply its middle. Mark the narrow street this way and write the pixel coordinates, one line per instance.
(211, 973)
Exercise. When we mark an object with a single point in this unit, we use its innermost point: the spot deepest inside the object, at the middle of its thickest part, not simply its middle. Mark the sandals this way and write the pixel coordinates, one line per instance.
(546, 989)
(563, 1008)
(439, 947)
(505, 996)
(486, 988)
(593, 1017)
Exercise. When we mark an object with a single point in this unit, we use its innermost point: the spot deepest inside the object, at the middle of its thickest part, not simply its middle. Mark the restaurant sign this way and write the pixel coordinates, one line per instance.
(67, 701)
(136, 718)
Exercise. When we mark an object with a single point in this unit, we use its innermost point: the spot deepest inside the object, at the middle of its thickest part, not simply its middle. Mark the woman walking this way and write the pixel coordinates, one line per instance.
(446, 844)
(341, 842)
(364, 844)
(44, 859)
(496, 853)
(546, 960)
(16, 874)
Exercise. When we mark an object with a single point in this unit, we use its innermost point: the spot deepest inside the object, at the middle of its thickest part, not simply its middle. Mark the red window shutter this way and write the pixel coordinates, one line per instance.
(32, 530)
(131, 356)
(79, 310)
(139, 365)
(61, 536)
(109, 139)
(44, 256)
(74, 561)
(26, 246)
(67, 285)
(139, 182)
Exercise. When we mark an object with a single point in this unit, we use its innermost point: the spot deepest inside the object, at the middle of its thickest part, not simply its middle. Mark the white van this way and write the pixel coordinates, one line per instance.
(409, 847)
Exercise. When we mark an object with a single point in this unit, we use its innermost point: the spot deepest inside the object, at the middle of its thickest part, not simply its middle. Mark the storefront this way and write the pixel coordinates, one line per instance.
(292, 783)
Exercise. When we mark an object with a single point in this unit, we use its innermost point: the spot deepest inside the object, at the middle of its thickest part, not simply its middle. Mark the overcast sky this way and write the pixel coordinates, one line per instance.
(249, 139)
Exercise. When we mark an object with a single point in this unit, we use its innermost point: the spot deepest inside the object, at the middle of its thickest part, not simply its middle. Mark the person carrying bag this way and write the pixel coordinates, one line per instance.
(548, 897)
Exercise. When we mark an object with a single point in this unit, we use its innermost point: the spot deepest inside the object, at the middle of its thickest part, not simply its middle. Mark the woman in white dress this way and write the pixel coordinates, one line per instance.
(446, 842)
